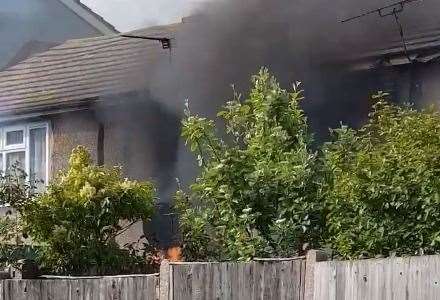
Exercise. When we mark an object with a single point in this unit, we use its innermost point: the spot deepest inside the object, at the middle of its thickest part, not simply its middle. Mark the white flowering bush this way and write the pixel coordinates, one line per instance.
(78, 218)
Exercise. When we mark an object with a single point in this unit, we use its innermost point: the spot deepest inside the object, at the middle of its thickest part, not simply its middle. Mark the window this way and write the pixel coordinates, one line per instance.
(26, 147)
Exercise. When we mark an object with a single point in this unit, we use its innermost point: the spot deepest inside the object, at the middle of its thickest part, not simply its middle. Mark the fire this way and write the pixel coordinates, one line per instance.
(174, 254)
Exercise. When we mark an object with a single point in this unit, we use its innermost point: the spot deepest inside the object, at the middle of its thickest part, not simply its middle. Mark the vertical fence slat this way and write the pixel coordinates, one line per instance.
(2, 289)
(235, 284)
(148, 289)
(258, 280)
(165, 278)
(245, 281)
(287, 276)
(216, 282)
(182, 282)
(198, 281)
(207, 292)
(226, 281)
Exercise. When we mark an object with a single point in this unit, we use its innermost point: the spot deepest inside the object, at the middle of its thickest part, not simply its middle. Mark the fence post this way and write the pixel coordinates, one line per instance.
(165, 280)
(312, 257)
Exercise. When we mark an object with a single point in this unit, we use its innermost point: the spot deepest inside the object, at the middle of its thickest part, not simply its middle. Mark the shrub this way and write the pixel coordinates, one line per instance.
(256, 194)
(12, 248)
(383, 184)
(15, 191)
(78, 218)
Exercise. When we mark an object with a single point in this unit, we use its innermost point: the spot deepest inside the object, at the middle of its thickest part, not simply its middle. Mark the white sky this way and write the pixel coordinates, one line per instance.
(127, 15)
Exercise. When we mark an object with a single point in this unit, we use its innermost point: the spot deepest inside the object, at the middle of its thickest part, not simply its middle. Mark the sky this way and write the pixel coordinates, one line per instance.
(127, 15)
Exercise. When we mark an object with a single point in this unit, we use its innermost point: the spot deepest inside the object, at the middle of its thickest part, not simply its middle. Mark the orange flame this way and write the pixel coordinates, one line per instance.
(174, 254)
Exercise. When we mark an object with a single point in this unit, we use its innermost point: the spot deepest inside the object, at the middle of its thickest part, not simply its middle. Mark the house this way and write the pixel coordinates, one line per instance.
(89, 92)
(32, 26)
(93, 92)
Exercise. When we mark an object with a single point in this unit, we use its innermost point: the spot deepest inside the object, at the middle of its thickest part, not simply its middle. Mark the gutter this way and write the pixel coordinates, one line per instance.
(421, 48)
(40, 114)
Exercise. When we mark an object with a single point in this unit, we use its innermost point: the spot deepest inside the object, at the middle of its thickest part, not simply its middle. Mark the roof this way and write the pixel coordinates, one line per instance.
(89, 16)
(29, 49)
(421, 48)
(80, 70)
(381, 37)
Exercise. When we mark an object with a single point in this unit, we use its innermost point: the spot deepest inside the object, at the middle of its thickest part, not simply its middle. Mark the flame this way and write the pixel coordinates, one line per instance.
(174, 254)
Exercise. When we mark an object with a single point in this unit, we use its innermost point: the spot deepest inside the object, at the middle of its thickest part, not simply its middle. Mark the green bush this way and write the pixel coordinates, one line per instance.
(12, 248)
(256, 194)
(78, 218)
(383, 184)
(15, 191)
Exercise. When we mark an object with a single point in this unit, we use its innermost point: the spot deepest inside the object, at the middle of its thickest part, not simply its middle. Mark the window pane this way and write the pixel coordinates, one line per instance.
(14, 137)
(15, 160)
(37, 155)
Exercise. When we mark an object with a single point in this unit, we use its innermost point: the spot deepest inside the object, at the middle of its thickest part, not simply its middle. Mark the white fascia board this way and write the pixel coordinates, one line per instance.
(88, 16)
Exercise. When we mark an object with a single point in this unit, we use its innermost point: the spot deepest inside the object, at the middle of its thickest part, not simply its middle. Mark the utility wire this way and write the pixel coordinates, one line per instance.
(390, 10)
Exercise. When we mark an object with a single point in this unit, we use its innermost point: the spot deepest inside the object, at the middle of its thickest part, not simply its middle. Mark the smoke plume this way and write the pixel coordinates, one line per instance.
(225, 42)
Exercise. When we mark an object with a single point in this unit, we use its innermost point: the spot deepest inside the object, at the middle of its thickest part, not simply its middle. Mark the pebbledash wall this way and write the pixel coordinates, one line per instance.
(135, 137)
(68, 130)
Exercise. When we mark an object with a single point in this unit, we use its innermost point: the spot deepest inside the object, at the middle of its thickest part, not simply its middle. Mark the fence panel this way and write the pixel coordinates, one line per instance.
(137, 287)
(415, 278)
(264, 279)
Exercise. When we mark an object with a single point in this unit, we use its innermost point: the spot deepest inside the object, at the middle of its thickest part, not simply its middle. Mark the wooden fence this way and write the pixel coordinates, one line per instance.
(277, 279)
(281, 279)
(85, 288)
(412, 278)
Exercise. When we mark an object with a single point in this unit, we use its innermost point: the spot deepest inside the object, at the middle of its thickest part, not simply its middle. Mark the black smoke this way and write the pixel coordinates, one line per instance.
(225, 42)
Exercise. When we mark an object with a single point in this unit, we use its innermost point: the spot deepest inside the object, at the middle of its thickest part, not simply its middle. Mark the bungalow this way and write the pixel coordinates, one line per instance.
(89, 92)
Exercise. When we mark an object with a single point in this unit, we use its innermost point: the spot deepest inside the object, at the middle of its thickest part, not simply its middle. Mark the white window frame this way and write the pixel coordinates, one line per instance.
(26, 127)
(11, 129)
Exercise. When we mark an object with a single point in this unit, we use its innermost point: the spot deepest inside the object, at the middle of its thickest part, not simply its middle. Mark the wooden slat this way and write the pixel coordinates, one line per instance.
(246, 281)
(216, 282)
(182, 282)
(258, 280)
(198, 281)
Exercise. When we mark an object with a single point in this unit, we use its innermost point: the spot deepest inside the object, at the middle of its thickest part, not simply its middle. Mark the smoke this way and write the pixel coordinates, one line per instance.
(225, 42)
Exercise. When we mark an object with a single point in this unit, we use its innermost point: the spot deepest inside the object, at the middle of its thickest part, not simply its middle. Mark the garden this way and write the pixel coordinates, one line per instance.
(264, 189)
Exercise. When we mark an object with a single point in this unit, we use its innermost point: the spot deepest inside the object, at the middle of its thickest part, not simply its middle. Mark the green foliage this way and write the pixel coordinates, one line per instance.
(12, 249)
(78, 218)
(256, 194)
(383, 184)
(15, 191)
